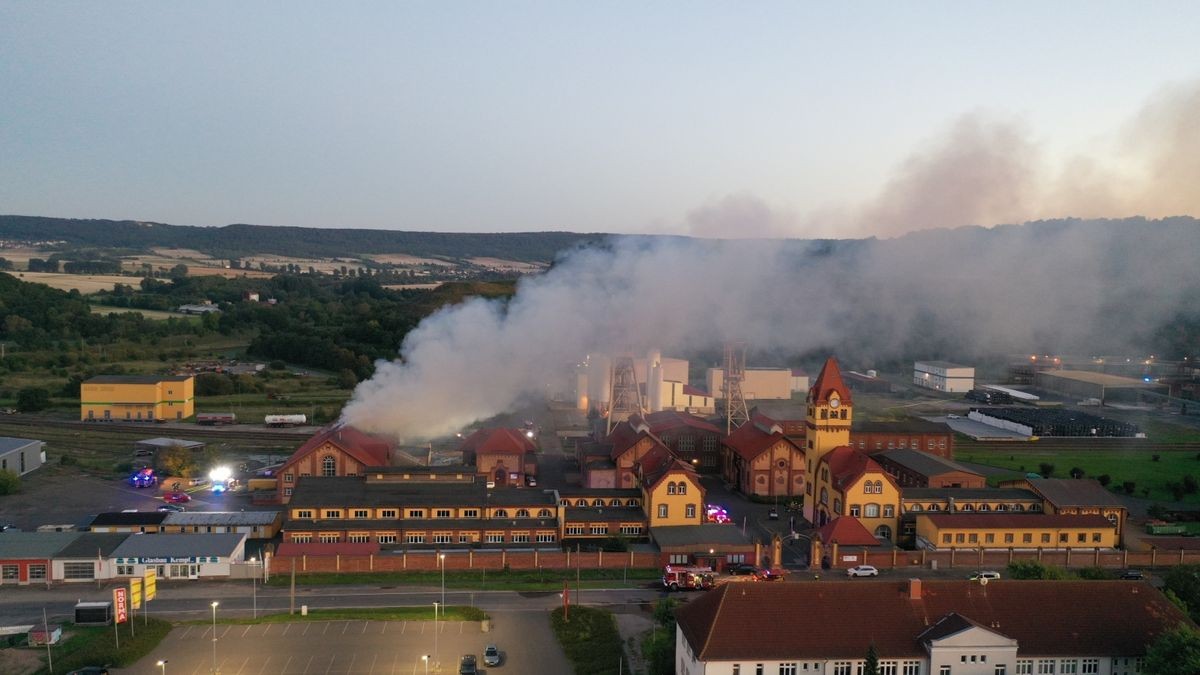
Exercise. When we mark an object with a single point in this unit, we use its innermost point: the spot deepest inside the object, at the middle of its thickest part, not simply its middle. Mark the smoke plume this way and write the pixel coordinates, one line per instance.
(1065, 286)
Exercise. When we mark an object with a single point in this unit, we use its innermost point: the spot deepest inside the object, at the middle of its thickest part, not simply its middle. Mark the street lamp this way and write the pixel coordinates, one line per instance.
(442, 563)
(254, 585)
(425, 658)
(162, 664)
(435, 633)
(214, 640)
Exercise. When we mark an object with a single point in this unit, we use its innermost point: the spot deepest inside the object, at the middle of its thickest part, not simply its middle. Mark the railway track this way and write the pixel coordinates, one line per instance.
(241, 432)
(1075, 444)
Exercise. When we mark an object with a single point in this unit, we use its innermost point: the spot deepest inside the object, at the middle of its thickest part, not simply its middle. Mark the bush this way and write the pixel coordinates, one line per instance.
(10, 482)
(1046, 469)
(33, 399)
(1032, 569)
(1154, 458)
(213, 384)
(1104, 479)
(1129, 486)
(1094, 573)
(67, 460)
(590, 639)
(1190, 485)
(1077, 472)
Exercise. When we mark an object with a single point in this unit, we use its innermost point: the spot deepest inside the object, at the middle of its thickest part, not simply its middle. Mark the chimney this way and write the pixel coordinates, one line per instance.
(914, 589)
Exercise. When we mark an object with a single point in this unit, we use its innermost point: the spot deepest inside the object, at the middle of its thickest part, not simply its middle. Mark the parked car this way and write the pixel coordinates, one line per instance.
(172, 507)
(90, 670)
(177, 498)
(491, 656)
(769, 575)
(989, 575)
(1134, 575)
(741, 568)
(862, 571)
(468, 665)
(773, 514)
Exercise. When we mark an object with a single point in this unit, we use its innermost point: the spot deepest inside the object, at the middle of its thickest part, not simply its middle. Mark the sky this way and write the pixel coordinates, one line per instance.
(712, 119)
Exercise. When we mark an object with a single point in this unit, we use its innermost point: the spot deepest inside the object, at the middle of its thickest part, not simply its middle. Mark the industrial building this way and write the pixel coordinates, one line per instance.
(914, 468)
(758, 383)
(1053, 422)
(137, 398)
(944, 376)
(1102, 387)
(21, 455)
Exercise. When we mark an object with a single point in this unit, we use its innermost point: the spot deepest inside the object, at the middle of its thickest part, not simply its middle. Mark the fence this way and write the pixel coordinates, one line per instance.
(426, 561)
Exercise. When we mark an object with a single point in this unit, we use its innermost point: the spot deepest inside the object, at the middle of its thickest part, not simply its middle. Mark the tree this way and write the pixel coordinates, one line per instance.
(175, 460)
(1175, 652)
(213, 384)
(1046, 469)
(1184, 581)
(10, 482)
(1076, 472)
(1032, 569)
(614, 543)
(1104, 479)
(346, 379)
(871, 666)
(32, 399)
(178, 272)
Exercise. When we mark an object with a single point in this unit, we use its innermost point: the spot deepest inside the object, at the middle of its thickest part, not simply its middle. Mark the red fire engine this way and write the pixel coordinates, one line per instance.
(687, 578)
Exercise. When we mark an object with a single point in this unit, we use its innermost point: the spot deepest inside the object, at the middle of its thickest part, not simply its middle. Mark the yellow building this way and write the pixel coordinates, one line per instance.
(827, 426)
(1021, 531)
(849, 483)
(137, 398)
(671, 490)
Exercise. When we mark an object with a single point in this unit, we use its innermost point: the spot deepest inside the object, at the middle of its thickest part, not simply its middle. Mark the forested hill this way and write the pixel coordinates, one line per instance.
(233, 241)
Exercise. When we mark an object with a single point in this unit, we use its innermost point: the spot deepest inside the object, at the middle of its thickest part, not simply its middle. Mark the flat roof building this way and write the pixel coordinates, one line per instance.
(944, 376)
(21, 455)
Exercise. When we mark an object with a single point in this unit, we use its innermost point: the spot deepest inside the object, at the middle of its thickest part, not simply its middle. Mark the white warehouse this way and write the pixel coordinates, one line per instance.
(944, 376)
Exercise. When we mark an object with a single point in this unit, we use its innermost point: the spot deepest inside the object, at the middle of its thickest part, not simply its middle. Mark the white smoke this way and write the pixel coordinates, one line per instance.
(948, 294)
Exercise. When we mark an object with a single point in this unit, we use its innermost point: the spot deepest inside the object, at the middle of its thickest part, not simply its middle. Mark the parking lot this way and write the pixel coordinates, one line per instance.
(525, 640)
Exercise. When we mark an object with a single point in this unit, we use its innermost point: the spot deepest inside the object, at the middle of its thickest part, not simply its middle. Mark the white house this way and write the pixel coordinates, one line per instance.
(944, 376)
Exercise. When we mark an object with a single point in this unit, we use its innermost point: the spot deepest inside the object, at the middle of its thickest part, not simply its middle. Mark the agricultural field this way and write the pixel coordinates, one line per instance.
(84, 283)
(148, 313)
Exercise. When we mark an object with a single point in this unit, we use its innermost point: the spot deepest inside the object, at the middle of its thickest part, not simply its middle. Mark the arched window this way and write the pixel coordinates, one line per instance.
(544, 513)
(614, 502)
(522, 513)
(871, 511)
(1035, 507)
(597, 502)
(1002, 507)
(837, 506)
(564, 502)
(682, 488)
(878, 487)
(967, 507)
(631, 502)
(328, 466)
(934, 507)
(915, 507)
(671, 488)
(824, 496)
(883, 532)
(501, 513)
(985, 507)
(581, 502)
(1018, 507)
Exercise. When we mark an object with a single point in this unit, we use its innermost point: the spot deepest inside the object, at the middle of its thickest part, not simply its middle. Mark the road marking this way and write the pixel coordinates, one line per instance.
(267, 629)
(330, 666)
(460, 627)
(310, 660)
(289, 662)
(364, 630)
(395, 657)
(374, 657)
(383, 627)
(227, 629)
(346, 628)
(264, 665)
(185, 633)
(248, 627)
(239, 672)
(353, 658)
(306, 627)
(286, 628)
(403, 625)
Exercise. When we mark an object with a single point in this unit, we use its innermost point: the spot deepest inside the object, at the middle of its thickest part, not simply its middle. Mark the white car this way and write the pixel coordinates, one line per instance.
(976, 576)
(862, 571)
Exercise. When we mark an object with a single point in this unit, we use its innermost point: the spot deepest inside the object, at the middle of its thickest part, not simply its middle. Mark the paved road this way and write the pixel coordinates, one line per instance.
(525, 639)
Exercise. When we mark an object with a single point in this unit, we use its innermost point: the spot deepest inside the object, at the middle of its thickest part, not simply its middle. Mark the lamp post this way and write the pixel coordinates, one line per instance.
(214, 640)
(435, 634)
(442, 563)
(425, 658)
(254, 586)
(162, 664)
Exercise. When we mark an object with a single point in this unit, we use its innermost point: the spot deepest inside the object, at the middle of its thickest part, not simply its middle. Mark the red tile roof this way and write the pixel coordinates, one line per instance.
(759, 622)
(366, 449)
(1007, 520)
(847, 465)
(668, 420)
(828, 381)
(497, 441)
(752, 439)
(846, 531)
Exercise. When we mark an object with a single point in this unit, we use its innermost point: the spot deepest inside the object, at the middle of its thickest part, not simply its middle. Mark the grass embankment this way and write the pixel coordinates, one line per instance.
(513, 580)
(452, 613)
(1150, 476)
(590, 639)
(96, 645)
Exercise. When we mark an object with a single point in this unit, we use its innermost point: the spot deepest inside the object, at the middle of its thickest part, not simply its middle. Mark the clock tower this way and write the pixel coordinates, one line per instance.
(827, 421)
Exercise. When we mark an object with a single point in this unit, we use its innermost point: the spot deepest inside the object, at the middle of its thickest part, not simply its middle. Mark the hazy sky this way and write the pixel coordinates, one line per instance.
(712, 118)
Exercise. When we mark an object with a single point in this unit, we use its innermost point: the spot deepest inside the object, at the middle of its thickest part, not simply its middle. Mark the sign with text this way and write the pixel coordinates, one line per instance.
(135, 593)
(120, 605)
(150, 584)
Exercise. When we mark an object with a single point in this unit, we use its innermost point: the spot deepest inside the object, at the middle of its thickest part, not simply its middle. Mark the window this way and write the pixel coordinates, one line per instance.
(287, 478)
(1027, 538)
(387, 513)
(689, 511)
(737, 669)
(359, 538)
(495, 538)
(600, 529)
(415, 538)
(574, 530)
(887, 668)
(333, 513)
(634, 530)
(9, 572)
(564, 502)
(758, 669)
(883, 532)
(670, 488)
(1096, 537)
(1068, 666)
(989, 538)
(614, 502)
(855, 511)
(973, 538)
(631, 502)
(581, 503)
(597, 502)
(1081, 538)
(37, 572)
(1008, 537)
(545, 513)
(287, 492)
(125, 570)
(662, 510)
(443, 538)
(464, 538)
(1045, 667)
(416, 513)
(387, 538)
(1063, 537)
(361, 513)
(500, 513)
(911, 668)
(841, 668)
(1090, 666)
(960, 538)
(330, 537)
(470, 513)
(915, 507)
(682, 488)
(304, 514)
(522, 513)
(985, 507)
(301, 538)
(328, 466)
(520, 538)
(787, 669)
(837, 506)
(678, 559)
(944, 670)
(889, 511)
(442, 513)
(872, 510)
(545, 538)
(1001, 669)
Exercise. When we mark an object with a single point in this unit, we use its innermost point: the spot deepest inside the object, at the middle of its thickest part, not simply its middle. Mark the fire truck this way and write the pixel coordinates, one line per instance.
(687, 578)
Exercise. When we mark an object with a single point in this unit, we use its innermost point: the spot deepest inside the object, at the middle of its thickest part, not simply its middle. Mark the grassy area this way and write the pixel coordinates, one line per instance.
(155, 314)
(422, 613)
(96, 645)
(1150, 477)
(590, 639)
(513, 580)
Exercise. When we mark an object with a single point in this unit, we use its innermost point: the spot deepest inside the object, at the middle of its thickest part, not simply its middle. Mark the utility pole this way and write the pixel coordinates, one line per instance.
(292, 609)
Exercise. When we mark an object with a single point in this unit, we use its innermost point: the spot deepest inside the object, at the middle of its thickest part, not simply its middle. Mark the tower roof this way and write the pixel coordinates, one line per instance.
(828, 381)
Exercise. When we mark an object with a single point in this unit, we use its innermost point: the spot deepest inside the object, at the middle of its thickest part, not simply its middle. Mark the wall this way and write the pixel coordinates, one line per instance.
(464, 560)
(759, 383)
(764, 474)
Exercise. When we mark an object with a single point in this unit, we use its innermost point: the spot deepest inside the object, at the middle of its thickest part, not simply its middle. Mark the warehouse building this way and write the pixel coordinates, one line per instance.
(944, 376)
(21, 455)
(759, 383)
(180, 556)
(1084, 384)
(137, 398)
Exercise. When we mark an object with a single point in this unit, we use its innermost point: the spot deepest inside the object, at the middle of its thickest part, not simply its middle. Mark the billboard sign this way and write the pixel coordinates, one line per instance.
(120, 605)
(135, 593)
(150, 583)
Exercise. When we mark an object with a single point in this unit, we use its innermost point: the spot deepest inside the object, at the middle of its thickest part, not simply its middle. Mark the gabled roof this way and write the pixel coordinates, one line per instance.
(94, 545)
(363, 447)
(759, 622)
(847, 465)
(654, 464)
(34, 545)
(952, 624)
(179, 545)
(627, 435)
(497, 441)
(924, 463)
(828, 381)
(846, 531)
(755, 437)
(1065, 492)
(670, 420)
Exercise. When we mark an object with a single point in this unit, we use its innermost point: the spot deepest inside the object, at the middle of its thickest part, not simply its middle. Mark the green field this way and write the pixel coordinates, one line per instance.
(155, 314)
(1138, 466)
